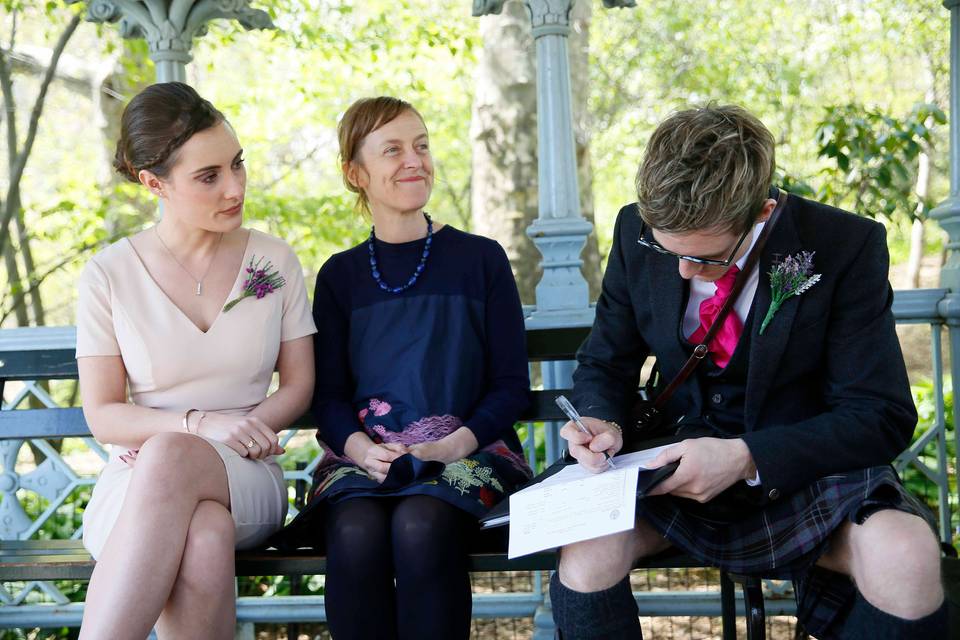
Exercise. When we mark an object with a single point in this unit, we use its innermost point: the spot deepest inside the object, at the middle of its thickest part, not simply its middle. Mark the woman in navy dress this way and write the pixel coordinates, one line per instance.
(421, 375)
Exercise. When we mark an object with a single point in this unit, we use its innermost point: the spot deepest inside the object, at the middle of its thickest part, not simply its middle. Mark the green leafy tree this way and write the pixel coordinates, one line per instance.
(874, 158)
(879, 166)
(18, 153)
(784, 61)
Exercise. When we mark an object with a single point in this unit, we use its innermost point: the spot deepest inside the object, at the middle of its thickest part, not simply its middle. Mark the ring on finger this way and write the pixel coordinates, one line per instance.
(249, 444)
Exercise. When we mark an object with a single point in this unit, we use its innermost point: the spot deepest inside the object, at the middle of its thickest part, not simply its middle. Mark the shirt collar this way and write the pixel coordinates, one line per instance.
(757, 229)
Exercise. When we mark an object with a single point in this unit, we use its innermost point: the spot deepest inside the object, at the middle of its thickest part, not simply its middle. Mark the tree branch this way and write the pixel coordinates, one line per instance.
(6, 86)
(291, 167)
(17, 169)
(36, 280)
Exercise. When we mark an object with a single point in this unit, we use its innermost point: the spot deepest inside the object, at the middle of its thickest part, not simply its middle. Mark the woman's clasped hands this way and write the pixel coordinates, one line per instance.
(248, 435)
(373, 457)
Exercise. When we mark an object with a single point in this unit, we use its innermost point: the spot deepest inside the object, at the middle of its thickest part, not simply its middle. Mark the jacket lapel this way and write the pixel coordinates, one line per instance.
(767, 349)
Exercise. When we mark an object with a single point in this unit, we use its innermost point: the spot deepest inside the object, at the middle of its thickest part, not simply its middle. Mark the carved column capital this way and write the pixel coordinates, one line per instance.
(549, 16)
(169, 26)
(487, 7)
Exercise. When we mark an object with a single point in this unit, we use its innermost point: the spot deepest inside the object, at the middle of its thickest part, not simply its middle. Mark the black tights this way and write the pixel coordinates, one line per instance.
(422, 543)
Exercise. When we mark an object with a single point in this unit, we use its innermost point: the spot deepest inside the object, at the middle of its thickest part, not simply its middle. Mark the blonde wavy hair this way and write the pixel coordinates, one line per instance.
(708, 167)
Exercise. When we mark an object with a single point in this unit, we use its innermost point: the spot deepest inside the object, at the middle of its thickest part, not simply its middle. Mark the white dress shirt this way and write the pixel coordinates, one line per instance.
(700, 290)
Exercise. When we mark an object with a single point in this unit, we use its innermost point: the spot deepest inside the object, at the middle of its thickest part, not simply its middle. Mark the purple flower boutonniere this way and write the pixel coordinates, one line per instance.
(260, 281)
(789, 277)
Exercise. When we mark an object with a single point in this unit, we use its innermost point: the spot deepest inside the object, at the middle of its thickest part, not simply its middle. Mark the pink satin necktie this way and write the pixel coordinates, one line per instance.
(725, 341)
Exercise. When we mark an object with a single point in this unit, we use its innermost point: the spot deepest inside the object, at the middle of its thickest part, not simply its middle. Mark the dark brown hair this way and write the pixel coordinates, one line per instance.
(156, 123)
(707, 167)
(364, 116)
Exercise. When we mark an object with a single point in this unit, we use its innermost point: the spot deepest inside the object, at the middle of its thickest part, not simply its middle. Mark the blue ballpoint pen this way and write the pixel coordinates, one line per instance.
(574, 416)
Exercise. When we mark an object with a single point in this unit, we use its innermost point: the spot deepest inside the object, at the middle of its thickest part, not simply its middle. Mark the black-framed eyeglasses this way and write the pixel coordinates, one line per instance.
(651, 243)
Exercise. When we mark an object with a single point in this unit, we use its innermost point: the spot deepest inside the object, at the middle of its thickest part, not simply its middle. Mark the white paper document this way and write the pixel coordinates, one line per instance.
(575, 504)
(635, 460)
(551, 515)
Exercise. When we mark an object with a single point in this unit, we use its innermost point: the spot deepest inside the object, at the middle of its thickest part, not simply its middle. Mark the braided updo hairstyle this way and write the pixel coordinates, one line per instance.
(156, 123)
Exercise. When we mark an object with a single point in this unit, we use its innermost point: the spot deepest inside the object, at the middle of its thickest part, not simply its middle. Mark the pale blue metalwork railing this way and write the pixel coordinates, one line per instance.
(41, 604)
(922, 306)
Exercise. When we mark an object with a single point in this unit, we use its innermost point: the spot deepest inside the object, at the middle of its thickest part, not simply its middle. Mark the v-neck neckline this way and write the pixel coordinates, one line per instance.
(243, 263)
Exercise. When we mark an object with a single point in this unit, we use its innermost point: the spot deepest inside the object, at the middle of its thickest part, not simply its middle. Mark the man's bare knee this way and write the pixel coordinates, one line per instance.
(894, 559)
(896, 564)
(600, 563)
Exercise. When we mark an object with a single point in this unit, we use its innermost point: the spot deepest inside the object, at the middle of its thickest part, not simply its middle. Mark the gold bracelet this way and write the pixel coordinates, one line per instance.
(186, 417)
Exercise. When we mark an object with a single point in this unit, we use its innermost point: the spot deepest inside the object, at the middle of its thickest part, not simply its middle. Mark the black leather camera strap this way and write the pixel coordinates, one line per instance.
(701, 350)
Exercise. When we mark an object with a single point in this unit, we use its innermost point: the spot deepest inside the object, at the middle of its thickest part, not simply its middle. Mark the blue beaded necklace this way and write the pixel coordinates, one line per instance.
(416, 273)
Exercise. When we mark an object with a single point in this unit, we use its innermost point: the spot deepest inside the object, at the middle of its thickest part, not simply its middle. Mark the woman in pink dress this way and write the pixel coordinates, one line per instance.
(179, 330)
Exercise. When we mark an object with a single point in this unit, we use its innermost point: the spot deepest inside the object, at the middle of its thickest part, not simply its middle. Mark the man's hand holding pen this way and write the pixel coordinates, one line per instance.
(589, 449)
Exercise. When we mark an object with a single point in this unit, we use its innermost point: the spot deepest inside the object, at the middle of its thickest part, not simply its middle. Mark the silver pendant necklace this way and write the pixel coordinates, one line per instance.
(180, 264)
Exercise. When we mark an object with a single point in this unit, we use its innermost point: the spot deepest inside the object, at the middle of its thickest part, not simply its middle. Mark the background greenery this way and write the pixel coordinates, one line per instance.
(855, 91)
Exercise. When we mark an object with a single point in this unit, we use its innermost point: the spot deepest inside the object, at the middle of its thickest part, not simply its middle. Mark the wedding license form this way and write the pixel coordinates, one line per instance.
(575, 505)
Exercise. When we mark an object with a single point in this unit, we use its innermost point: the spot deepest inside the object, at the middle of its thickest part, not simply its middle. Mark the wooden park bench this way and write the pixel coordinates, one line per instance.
(48, 354)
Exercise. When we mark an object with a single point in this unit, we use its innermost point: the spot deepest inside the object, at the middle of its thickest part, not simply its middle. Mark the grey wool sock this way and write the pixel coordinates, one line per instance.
(610, 614)
(866, 621)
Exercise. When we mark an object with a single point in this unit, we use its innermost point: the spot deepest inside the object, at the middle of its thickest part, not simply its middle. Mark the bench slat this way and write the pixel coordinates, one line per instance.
(57, 423)
(8, 546)
(44, 353)
(554, 344)
(68, 560)
(51, 424)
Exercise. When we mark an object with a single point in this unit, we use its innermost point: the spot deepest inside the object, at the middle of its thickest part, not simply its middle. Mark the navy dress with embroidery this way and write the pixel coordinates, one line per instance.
(415, 366)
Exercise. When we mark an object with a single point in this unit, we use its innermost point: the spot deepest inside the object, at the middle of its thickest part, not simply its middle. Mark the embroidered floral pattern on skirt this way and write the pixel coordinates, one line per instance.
(474, 483)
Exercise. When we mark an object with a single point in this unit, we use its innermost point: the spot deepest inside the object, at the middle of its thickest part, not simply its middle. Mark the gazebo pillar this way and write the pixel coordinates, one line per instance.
(947, 214)
(560, 231)
(169, 26)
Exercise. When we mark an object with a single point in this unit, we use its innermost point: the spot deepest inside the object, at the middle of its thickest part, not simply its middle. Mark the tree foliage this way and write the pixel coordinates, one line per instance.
(835, 81)
(784, 61)
(874, 158)
(284, 90)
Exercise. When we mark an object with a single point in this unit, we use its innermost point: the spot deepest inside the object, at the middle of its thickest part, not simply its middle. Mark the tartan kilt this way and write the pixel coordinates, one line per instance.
(784, 539)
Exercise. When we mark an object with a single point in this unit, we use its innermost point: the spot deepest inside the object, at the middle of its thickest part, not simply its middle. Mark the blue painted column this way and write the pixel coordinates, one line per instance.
(169, 26)
(559, 232)
(947, 214)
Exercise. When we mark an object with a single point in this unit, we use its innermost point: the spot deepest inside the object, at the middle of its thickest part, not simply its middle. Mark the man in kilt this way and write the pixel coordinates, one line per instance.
(793, 417)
